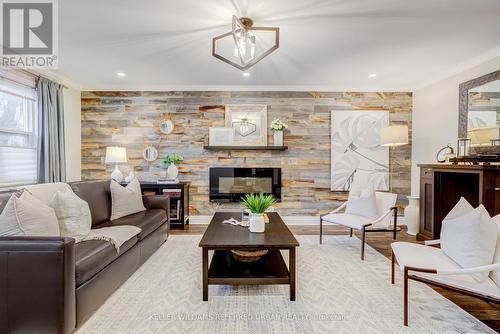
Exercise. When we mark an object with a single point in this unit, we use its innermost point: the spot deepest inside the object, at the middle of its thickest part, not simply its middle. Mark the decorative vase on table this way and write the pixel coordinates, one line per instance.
(257, 223)
(412, 215)
(171, 160)
(172, 172)
(278, 138)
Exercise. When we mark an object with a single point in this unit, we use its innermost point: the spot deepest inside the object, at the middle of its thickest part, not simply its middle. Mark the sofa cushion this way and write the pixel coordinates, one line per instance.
(73, 214)
(495, 274)
(8, 221)
(98, 196)
(363, 205)
(94, 255)
(34, 217)
(470, 239)
(147, 221)
(45, 191)
(125, 200)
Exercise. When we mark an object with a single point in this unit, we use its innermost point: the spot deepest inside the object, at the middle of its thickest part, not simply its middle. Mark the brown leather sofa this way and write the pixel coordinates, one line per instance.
(52, 285)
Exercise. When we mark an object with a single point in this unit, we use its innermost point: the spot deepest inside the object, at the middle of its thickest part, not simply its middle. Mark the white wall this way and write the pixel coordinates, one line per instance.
(435, 117)
(73, 130)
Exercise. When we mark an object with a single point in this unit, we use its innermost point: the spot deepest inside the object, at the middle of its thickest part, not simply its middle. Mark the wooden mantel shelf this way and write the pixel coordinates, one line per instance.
(248, 148)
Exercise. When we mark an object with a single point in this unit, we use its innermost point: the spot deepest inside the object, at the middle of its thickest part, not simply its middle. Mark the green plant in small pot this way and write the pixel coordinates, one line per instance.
(171, 160)
(257, 204)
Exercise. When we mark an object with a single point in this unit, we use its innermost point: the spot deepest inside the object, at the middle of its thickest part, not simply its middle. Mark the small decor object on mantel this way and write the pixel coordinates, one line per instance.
(248, 122)
(445, 154)
(257, 204)
(171, 160)
(278, 127)
(463, 147)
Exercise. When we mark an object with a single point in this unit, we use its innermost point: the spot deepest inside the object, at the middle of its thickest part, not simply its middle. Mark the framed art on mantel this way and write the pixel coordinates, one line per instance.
(355, 149)
(249, 123)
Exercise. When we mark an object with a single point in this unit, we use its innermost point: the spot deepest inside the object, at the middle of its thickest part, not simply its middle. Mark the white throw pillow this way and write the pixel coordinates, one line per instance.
(73, 214)
(461, 208)
(470, 239)
(126, 200)
(34, 217)
(495, 274)
(364, 205)
(8, 220)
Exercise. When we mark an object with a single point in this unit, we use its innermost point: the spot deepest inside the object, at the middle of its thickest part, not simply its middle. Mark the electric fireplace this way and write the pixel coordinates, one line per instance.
(230, 184)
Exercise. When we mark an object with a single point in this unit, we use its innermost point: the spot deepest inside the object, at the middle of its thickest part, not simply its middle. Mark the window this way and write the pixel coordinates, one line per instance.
(18, 134)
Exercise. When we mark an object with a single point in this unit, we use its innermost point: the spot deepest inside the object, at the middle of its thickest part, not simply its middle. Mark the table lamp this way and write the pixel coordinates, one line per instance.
(116, 155)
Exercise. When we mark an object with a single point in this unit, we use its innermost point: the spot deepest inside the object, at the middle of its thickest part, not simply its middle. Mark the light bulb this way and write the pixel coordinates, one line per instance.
(244, 128)
(243, 46)
(252, 47)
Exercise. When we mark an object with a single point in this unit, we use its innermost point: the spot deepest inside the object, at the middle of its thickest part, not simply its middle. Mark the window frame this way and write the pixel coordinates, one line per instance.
(31, 130)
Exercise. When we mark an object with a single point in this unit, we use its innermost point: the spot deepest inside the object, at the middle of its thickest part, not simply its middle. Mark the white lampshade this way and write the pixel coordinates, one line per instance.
(116, 155)
(483, 135)
(394, 135)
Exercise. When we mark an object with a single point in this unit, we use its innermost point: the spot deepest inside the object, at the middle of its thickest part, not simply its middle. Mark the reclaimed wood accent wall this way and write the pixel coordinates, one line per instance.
(131, 119)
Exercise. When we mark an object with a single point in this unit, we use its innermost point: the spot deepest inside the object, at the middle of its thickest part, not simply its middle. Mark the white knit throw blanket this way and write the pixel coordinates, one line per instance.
(116, 235)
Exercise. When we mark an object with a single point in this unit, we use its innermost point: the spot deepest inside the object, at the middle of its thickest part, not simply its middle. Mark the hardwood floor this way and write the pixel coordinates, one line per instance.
(487, 312)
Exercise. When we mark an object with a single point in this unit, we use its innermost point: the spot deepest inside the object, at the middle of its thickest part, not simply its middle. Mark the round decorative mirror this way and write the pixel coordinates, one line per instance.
(150, 154)
(166, 126)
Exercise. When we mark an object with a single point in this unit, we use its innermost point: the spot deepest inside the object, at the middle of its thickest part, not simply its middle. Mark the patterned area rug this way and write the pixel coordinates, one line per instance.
(336, 293)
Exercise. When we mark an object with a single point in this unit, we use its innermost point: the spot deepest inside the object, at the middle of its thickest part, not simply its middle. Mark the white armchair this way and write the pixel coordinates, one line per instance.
(431, 265)
(386, 204)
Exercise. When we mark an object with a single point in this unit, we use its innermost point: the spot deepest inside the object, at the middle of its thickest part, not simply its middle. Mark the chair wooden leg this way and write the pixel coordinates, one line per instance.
(362, 243)
(392, 267)
(395, 223)
(405, 297)
(320, 231)
(350, 232)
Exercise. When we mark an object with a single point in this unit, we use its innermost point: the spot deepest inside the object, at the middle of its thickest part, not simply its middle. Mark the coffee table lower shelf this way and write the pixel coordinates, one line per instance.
(269, 269)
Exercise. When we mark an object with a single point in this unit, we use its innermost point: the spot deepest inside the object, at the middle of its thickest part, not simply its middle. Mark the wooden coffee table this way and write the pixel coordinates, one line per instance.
(269, 269)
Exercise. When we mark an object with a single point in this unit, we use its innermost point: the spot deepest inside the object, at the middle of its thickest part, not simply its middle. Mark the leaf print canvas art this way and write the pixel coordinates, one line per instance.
(356, 153)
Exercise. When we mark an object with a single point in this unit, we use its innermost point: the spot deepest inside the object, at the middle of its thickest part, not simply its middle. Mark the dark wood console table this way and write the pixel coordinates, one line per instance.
(179, 200)
(442, 185)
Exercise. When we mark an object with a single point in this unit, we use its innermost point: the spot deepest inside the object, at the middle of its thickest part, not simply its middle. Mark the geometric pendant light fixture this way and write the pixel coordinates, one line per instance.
(245, 45)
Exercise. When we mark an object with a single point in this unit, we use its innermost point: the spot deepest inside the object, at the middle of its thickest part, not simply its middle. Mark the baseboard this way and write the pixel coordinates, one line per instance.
(289, 220)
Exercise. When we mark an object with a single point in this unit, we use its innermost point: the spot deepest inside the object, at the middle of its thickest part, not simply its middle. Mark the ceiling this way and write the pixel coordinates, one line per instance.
(325, 44)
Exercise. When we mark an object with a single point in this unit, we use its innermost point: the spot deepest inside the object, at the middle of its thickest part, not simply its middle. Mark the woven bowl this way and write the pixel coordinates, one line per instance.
(248, 256)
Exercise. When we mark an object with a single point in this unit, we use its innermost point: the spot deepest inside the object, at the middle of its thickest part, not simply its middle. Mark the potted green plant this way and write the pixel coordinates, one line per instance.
(277, 126)
(171, 160)
(257, 204)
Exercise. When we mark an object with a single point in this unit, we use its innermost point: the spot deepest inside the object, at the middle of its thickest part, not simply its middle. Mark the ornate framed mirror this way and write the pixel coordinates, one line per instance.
(166, 126)
(479, 108)
(150, 154)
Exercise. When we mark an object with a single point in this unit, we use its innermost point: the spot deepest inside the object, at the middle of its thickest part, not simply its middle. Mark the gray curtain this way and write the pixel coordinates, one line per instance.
(51, 158)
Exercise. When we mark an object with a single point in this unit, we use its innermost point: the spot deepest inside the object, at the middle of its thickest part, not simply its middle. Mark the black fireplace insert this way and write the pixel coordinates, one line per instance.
(230, 184)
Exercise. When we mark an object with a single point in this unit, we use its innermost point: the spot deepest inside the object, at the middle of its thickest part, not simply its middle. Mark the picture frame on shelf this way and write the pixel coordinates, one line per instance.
(248, 122)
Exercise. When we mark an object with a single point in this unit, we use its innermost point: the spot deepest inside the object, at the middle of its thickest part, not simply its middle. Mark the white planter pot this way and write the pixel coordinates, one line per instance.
(412, 215)
(278, 138)
(257, 223)
(172, 172)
